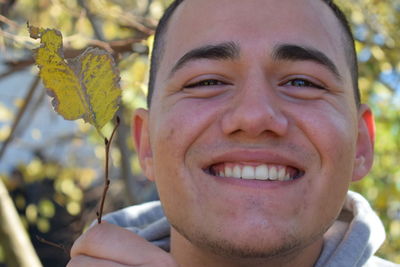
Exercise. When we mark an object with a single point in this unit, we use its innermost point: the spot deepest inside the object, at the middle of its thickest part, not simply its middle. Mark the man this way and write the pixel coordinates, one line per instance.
(253, 135)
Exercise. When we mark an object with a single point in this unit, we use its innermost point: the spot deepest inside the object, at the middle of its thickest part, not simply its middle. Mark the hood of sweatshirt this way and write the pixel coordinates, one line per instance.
(352, 240)
(354, 237)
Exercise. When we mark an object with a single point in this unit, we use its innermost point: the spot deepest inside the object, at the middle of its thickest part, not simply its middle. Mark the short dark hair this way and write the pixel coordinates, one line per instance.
(159, 46)
(350, 47)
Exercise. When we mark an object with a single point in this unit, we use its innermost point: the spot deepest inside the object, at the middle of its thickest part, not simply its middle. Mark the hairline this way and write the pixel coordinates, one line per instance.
(347, 40)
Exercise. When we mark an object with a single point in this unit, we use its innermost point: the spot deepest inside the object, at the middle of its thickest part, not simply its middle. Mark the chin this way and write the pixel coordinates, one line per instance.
(245, 245)
(257, 249)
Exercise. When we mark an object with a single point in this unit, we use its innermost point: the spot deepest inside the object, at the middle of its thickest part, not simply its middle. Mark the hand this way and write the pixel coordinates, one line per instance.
(108, 245)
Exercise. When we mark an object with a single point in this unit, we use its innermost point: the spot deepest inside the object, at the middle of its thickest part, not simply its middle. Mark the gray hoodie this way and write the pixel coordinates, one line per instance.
(350, 242)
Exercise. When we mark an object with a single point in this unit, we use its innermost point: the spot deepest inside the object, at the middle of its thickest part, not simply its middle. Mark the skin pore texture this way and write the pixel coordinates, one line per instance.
(235, 89)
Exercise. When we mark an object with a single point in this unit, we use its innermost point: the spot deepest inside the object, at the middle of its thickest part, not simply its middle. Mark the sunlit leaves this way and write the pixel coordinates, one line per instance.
(376, 24)
(4, 132)
(68, 190)
(31, 213)
(46, 208)
(5, 113)
(39, 214)
(2, 254)
(5, 116)
(135, 78)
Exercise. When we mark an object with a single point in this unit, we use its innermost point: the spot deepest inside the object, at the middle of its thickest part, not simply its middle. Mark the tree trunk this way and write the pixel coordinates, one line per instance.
(14, 239)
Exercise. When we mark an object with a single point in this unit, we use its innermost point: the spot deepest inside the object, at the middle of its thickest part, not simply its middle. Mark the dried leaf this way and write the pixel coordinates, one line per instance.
(85, 87)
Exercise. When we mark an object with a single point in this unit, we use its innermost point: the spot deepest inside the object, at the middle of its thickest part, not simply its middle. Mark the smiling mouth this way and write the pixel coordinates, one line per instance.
(263, 172)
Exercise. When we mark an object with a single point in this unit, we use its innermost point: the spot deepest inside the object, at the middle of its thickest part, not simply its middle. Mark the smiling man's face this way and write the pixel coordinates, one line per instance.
(253, 134)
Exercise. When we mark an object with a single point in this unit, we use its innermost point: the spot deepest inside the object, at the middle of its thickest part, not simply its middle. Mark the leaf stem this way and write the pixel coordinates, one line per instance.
(107, 144)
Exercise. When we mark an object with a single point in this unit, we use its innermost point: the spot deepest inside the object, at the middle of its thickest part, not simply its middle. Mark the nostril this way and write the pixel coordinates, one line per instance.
(254, 121)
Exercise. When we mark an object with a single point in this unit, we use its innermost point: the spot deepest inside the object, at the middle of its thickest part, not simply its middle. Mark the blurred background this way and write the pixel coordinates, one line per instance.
(53, 168)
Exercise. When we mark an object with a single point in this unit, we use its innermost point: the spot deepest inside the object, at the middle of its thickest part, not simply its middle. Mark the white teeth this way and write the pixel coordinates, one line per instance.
(248, 172)
(262, 172)
(281, 174)
(287, 176)
(237, 173)
(273, 173)
(228, 171)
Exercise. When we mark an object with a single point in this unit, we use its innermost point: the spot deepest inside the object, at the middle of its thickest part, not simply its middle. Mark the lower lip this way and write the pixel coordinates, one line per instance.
(257, 184)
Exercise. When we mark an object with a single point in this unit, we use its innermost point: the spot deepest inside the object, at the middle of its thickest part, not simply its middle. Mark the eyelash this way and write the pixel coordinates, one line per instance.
(214, 82)
(209, 82)
(305, 83)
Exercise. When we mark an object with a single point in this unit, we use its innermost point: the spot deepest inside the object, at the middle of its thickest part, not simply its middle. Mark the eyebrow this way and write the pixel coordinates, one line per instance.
(231, 51)
(222, 51)
(302, 53)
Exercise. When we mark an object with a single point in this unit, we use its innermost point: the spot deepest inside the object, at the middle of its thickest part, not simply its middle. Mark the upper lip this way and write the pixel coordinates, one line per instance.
(254, 156)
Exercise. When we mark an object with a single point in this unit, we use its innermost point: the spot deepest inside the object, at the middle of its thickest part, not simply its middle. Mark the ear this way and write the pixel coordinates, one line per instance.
(365, 143)
(141, 138)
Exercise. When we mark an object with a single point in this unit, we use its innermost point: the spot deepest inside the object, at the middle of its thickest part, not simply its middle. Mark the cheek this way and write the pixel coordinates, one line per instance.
(332, 133)
(175, 131)
(178, 126)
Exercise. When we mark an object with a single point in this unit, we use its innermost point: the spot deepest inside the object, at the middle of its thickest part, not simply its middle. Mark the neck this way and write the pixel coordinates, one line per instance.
(188, 254)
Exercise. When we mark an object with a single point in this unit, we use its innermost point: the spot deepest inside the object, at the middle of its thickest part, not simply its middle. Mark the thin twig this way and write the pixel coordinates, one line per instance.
(92, 20)
(41, 239)
(147, 10)
(13, 70)
(130, 21)
(117, 46)
(18, 117)
(24, 41)
(99, 213)
(27, 120)
(9, 22)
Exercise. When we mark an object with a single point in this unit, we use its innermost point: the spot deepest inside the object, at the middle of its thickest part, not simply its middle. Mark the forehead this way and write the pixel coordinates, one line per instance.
(253, 24)
(208, 17)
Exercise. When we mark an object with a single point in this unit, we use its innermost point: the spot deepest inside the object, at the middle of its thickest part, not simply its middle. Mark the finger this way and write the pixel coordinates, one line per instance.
(111, 242)
(85, 261)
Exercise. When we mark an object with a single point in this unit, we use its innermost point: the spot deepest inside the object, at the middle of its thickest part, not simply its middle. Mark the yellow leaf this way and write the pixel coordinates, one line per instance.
(85, 87)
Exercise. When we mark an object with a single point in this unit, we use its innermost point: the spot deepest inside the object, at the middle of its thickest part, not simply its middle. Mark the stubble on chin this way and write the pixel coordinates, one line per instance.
(262, 249)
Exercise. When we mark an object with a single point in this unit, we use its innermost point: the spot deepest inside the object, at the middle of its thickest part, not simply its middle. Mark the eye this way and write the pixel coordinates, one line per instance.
(209, 82)
(303, 83)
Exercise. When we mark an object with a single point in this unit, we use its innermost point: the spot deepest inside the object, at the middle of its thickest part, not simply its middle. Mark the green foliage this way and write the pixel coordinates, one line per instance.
(376, 25)
(2, 256)
(55, 184)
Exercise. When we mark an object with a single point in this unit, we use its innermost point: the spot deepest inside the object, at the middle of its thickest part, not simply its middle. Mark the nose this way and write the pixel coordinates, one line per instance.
(255, 110)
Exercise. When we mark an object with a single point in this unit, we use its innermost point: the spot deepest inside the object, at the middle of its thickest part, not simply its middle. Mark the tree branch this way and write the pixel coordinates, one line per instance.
(18, 118)
(115, 47)
(126, 155)
(97, 32)
(13, 236)
(8, 21)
